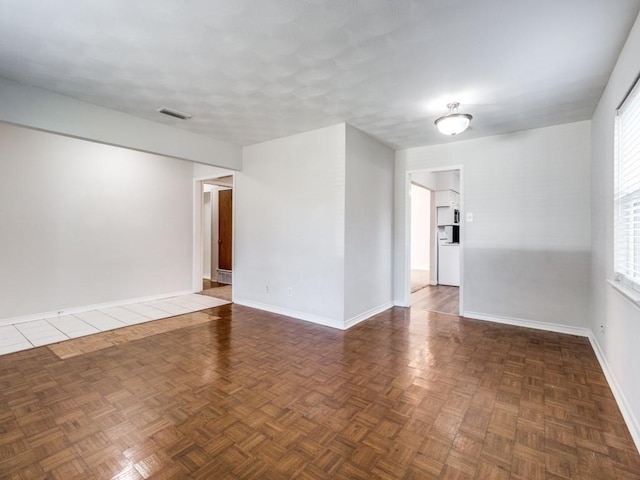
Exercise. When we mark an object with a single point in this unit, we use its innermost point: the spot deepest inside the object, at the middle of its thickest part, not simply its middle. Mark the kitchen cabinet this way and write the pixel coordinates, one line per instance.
(449, 265)
(447, 198)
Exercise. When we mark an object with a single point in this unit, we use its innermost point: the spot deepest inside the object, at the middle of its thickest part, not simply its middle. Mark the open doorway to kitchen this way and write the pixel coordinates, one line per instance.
(436, 241)
(217, 237)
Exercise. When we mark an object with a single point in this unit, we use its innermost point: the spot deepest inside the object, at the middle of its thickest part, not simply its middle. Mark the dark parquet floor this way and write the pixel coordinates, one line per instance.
(252, 395)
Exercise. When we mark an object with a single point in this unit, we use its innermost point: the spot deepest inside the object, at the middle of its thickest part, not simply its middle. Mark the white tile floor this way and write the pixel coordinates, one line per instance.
(21, 336)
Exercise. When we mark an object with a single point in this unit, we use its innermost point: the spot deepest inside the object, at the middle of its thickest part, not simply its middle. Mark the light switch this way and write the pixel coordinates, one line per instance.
(469, 217)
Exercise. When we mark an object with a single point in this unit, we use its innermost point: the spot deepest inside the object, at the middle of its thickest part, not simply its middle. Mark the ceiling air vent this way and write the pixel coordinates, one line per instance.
(174, 113)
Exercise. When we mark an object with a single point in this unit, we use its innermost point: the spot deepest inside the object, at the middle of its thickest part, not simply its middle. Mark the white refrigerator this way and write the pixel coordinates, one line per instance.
(449, 265)
(448, 259)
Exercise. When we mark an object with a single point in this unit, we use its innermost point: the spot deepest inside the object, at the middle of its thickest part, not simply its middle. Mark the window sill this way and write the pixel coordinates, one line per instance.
(632, 295)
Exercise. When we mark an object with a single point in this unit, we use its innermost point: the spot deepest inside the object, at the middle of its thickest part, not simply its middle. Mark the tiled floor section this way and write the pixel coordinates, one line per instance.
(93, 343)
(21, 336)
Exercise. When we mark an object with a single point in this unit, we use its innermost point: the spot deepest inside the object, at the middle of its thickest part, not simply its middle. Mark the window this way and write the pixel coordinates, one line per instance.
(626, 236)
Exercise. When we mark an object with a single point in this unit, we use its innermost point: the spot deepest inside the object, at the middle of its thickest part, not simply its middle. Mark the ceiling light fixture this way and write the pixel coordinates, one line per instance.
(174, 113)
(453, 123)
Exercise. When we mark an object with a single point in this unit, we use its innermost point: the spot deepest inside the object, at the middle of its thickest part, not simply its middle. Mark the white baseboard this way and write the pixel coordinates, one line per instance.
(325, 321)
(632, 422)
(88, 308)
(401, 304)
(520, 322)
(308, 317)
(368, 314)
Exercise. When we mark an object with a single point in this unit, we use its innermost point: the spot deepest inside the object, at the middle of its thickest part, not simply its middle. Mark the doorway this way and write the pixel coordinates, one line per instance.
(434, 233)
(217, 237)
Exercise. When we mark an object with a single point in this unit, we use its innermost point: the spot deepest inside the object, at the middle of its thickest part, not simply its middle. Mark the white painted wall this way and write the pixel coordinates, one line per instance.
(289, 226)
(45, 110)
(618, 346)
(527, 252)
(368, 225)
(314, 224)
(426, 180)
(420, 228)
(85, 223)
(207, 172)
(448, 180)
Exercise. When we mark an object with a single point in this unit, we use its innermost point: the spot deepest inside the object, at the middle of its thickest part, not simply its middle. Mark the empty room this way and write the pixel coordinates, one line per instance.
(213, 264)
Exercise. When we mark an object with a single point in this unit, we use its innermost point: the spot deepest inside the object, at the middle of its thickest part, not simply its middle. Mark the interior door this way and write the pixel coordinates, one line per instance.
(225, 232)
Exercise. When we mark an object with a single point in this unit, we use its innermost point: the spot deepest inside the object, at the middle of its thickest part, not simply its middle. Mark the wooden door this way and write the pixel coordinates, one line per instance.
(225, 225)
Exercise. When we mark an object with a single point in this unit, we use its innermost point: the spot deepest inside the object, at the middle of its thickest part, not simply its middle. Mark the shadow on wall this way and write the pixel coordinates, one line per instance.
(537, 285)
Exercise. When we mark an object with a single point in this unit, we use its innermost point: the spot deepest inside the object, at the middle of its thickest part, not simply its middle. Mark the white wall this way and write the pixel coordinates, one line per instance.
(420, 228)
(448, 180)
(618, 346)
(85, 223)
(45, 110)
(289, 226)
(527, 252)
(368, 225)
(207, 172)
(425, 179)
(314, 226)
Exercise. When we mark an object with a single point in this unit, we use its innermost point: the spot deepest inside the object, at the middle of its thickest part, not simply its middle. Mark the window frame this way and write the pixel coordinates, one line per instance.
(627, 203)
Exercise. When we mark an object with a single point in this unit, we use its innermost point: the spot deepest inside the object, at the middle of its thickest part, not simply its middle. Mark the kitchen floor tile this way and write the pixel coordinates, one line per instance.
(38, 330)
(100, 320)
(10, 335)
(61, 337)
(4, 349)
(21, 336)
(72, 326)
(123, 315)
(147, 311)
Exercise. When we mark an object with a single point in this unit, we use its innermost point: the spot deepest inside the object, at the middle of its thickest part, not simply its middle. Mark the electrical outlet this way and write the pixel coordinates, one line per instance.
(290, 291)
(266, 289)
(602, 329)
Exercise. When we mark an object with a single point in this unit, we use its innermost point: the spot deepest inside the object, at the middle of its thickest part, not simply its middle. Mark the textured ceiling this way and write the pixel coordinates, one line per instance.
(254, 70)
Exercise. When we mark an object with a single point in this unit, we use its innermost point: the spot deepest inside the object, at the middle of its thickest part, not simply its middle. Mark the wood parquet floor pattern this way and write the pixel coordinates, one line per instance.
(406, 395)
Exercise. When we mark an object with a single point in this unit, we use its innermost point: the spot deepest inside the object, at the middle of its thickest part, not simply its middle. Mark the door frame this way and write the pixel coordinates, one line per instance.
(198, 243)
(222, 259)
(406, 277)
(433, 241)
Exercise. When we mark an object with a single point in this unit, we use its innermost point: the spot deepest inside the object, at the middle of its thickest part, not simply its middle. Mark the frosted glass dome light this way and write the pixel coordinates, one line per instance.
(453, 123)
